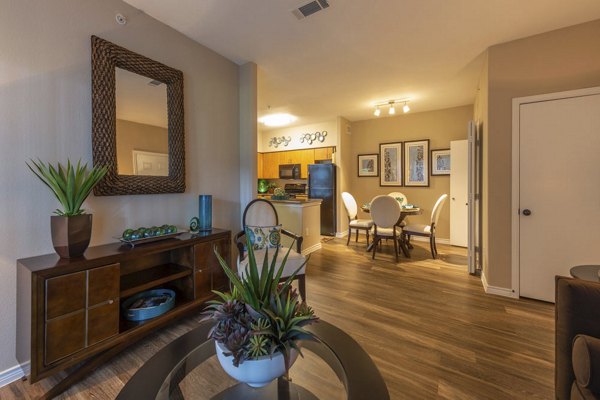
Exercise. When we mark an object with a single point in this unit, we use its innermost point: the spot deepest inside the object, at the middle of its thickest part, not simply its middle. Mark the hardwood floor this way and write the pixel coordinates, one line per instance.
(427, 324)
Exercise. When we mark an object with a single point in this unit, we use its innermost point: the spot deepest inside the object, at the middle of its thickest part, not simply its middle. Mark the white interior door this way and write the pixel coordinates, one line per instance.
(559, 190)
(459, 193)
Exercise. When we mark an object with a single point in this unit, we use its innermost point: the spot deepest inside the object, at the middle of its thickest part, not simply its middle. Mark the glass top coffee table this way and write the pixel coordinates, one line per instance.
(335, 367)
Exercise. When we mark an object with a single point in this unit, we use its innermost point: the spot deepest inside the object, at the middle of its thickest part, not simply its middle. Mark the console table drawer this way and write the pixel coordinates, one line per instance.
(103, 284)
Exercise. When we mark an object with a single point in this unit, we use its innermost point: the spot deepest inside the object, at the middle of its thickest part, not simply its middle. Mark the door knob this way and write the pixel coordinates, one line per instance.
(526, 212)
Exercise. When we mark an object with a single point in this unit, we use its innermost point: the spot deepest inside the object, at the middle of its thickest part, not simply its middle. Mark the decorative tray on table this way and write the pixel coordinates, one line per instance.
(133, 237)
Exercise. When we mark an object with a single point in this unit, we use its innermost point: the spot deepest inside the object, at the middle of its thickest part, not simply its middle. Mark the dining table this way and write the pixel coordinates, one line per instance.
(406, 211)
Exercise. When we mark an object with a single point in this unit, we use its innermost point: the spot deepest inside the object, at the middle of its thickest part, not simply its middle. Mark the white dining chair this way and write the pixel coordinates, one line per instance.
(398, 195)
(403, 202)
(353, 221)
(427, 230)
(386, 212)
(262, 213)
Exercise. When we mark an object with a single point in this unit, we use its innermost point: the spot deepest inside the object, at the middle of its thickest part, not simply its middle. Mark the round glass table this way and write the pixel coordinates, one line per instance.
(334, 367)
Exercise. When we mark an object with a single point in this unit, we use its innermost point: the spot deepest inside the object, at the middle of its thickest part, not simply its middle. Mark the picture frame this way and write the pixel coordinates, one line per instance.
(368, 165)
(390, 164)
(440, 162)
(416, 163)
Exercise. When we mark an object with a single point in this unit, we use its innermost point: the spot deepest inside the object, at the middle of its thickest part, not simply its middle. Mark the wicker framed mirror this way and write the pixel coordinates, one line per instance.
(107, 60)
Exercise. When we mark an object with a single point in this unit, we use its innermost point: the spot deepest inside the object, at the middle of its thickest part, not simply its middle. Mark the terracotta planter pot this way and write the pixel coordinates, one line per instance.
(71, 235)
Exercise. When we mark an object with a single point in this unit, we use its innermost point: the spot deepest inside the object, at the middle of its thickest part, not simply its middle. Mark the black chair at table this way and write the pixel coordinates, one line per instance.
(262, 213)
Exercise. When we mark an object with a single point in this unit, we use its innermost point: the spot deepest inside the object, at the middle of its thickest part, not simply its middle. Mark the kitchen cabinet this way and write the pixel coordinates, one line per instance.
(259, 165)
(271, 165)
(323, 153)
(307, 157)
(268, 163)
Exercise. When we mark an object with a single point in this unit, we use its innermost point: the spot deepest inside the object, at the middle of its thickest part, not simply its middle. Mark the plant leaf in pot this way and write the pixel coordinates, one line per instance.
(259, 323)
(71, 185)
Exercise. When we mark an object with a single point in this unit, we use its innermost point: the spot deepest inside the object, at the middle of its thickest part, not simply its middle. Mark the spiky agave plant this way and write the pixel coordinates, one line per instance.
(71, 185)
(274, 316)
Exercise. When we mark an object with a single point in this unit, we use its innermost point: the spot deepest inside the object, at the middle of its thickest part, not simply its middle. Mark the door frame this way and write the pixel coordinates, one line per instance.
(516, 171)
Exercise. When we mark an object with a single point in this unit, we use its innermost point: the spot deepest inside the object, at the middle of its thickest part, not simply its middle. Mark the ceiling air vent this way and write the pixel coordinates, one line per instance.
(310, 8)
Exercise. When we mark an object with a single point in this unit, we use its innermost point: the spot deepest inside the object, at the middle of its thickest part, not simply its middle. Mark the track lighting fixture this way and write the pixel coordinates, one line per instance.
(392, 106)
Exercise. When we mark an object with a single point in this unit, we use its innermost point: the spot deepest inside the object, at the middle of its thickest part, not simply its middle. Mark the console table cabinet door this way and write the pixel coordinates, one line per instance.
(65, 294)
(64, 336)
(103, 284)
(208, 270)
(219, 280)
(103, 322)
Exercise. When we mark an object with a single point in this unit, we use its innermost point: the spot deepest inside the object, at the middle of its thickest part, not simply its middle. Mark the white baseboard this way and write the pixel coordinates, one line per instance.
(13, 373)
(496, 290)
(314, 247)
(341, 234)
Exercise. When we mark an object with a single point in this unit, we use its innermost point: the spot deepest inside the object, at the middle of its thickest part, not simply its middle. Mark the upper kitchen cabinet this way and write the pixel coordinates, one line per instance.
(268, 163)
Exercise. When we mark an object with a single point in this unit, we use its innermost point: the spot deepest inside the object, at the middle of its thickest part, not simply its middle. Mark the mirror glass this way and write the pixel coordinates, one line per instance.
(142, 125)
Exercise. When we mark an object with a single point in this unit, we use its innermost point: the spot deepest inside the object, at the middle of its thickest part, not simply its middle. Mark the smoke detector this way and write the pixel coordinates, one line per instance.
(310, 8)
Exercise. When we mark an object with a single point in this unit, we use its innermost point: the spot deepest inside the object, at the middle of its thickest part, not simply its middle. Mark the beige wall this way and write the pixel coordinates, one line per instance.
(343, 159)
(294, 134)
(135, 136)
(440, 127)
(45, 112)
(555, 61)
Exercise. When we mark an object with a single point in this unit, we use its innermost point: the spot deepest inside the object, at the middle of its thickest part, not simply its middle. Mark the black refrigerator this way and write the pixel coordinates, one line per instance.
(321, 185)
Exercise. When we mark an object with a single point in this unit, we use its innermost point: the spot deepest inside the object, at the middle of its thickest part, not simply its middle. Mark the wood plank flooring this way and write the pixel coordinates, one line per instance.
(427, 324)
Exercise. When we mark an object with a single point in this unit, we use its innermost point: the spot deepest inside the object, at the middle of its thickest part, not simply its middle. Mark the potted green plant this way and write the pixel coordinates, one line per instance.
(71, 185)
(259, 323)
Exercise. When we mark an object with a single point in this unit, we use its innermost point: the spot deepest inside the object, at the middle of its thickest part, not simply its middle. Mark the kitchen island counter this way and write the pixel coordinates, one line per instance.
(302, 217)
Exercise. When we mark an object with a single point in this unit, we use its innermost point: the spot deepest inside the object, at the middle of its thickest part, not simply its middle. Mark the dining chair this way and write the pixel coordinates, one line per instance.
(398, 195)
(261, 217)
(386, 212)
(353, 222)
(426, 230)
(403, 202)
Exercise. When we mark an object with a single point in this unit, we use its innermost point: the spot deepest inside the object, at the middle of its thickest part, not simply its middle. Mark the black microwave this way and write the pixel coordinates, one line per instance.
(289, 171)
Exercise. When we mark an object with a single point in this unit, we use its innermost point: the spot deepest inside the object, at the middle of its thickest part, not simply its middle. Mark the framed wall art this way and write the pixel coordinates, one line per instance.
(416, 163)
(440, 162)
(390, 164)
(368, 165)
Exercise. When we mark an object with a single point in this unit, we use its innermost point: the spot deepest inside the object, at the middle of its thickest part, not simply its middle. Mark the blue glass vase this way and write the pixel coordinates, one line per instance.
(205, 212)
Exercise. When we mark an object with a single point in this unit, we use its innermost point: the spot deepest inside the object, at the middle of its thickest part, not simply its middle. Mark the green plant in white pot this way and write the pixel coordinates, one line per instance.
(259, 324)
(71, 185)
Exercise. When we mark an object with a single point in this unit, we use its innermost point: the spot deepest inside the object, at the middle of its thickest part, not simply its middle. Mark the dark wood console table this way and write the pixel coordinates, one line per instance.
(74, 304)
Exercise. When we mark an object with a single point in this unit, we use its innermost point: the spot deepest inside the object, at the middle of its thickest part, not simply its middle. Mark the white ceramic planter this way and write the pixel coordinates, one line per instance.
(255, 373)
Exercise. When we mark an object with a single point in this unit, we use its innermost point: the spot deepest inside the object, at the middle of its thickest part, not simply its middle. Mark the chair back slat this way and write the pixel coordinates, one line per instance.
(385, 211)
(398, 195)
(260, 212)
(437, 209)
(350, 205)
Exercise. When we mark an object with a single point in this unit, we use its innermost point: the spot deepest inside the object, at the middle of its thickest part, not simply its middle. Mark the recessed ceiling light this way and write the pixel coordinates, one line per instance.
(277, 119)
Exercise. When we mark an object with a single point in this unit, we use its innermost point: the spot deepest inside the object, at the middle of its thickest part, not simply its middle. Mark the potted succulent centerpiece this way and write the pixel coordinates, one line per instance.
(71, 185)
(259, 324)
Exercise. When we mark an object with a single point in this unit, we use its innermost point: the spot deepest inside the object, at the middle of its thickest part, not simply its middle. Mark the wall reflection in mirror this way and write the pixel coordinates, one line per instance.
(142, 125)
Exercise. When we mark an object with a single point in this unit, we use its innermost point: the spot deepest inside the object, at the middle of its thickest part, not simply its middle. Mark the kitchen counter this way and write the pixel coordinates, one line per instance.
(299, 202)
(302, 217)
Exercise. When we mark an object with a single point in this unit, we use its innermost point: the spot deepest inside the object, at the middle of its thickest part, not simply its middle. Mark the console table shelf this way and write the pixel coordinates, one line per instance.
(73, 305)
(146, 279)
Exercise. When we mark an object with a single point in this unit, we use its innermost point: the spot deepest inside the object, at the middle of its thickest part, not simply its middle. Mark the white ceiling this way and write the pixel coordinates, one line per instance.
(344, 59)
(137, 101)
